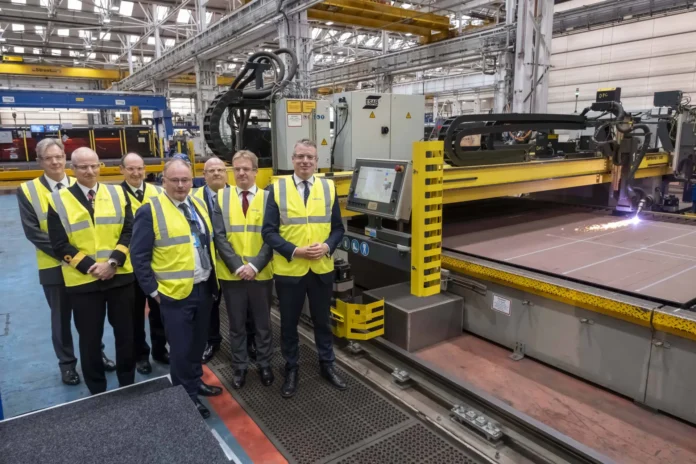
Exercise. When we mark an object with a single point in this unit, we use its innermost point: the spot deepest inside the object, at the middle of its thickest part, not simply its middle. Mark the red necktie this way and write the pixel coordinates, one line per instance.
(245, 202)
(90, 197)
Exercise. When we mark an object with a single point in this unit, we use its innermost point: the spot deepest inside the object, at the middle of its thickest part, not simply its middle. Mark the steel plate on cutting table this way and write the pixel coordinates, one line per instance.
(323, 425)
(653, 259)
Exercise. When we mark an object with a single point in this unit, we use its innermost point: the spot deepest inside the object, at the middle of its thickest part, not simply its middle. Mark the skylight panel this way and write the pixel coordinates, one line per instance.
(133, 38)
(19, 49)
(161, 12)
(63, 32)
(39, 29)
(84, 34)
(19, 2)
(151, 41)
(169, 42)
(126, 8)
(75, 5)
(106, 36)
(184, 16)
(55, 52)
(17, 27)
(37, 51)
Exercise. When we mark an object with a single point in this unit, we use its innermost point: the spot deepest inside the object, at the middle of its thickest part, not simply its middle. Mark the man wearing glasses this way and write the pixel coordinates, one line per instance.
(138, 192)
(174, 259)
(303, 226)
(89, 226)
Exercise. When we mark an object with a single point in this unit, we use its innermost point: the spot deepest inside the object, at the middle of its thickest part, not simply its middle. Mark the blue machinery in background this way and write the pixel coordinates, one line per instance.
(87, 99)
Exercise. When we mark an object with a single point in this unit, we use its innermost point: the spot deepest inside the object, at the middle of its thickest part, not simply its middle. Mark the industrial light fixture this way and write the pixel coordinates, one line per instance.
(408, 34)
(329, 23)
(89, 112)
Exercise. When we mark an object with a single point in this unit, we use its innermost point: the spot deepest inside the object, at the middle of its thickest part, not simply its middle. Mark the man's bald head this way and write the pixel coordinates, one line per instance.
(215, 174)
(85, 165)
(133, 169)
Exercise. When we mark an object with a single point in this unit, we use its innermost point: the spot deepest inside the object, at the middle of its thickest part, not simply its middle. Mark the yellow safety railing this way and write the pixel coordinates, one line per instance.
(426, 222)
(357, 320)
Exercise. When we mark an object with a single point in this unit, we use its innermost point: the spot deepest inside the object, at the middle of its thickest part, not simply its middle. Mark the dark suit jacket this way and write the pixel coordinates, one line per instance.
(271, 233)
(39, 238)
(141, 250)
(62, 247)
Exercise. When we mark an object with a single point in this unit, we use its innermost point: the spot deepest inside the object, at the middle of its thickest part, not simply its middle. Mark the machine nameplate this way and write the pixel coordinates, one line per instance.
(372, 205)
(294, 120)
(500, 304)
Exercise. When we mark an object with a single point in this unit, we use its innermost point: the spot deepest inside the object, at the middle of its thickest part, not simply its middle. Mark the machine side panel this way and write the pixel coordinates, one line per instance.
(322, 124)
(407, 119)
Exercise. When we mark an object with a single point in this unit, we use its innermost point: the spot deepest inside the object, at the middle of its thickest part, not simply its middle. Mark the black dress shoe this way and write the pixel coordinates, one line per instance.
(143, 366)
(209, 390)
(161, 358)
(266, 374)
(251, 350)
(109, 365)
(70, 376)
(239, 378)
(205, 412)
(329, 373)
(289, 387)
(209, 352)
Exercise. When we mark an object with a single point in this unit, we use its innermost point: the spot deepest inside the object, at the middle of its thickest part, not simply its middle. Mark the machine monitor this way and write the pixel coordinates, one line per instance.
(381, 188)
(36, 128)
(52, 127)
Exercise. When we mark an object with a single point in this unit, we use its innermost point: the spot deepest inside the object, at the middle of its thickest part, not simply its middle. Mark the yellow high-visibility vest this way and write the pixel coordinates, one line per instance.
(172, 256)
(96, 239)
(38, 196)
(243, 232)
(149, 192)
(303, 226)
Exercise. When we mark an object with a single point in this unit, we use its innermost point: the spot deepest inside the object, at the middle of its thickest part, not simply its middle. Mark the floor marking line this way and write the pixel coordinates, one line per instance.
(225, 448)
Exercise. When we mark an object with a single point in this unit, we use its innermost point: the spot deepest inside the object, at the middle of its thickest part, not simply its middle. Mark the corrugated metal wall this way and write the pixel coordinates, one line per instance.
(642, 58)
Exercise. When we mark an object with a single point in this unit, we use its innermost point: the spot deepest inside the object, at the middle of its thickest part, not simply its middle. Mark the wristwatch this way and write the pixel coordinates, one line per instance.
(112, 262)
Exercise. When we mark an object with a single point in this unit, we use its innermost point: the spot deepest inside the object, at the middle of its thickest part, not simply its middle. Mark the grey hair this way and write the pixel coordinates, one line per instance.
(47, 143)
(248, 155)
(172, 162)
(123, 158)
(306, 143)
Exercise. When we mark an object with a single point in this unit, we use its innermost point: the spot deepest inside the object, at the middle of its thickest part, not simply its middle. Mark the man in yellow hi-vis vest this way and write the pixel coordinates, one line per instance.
(33, 207)
(243, 266)
(173, 257)
(89, 225)
(303, 225)
(139, 192)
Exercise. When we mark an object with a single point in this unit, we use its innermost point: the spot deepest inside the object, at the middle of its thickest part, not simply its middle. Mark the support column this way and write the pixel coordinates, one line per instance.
(436, 104)
(205, 93)
(130, 58)
(532, 55)
(477, 105)
(158, 40)
(295, 34)
(502, 93)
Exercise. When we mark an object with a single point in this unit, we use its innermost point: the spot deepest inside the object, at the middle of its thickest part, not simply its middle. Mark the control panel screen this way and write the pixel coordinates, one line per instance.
(36, 128)
(375, 184)
(52, 127)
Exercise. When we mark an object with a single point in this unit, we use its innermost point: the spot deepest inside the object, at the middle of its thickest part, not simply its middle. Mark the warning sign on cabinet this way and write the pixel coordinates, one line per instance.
(294, 120)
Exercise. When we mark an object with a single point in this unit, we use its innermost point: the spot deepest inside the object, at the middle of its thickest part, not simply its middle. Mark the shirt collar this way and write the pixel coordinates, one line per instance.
(52, 183)
(298, 180)
(177, 202)
(135, 189)
(253, 189)
(85, 190)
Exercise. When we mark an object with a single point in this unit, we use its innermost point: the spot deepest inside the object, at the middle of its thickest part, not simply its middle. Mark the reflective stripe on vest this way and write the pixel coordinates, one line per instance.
(96, 239)
(150, 191)
(173, 254)
(303, 225)
(38, 195)
(245, 238)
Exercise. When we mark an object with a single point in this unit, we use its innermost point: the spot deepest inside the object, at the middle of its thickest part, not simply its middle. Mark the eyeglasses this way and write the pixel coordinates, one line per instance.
(304, 157)
(182, 181)
(86, 167)
(215, 170)
(243, 170)
(135, 168)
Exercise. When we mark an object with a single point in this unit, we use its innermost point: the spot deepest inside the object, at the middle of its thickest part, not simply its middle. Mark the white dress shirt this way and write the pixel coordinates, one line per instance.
(135, 189)
(52, 183)
(199, 274)
(299, 183)
(250, 196)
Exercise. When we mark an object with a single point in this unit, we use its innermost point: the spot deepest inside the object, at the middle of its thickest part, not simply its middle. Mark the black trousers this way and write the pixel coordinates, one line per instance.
(242, 299)
(214, 337)
(90, 310)
(61, 331)
(186, 324)
(291, 296)
(157, 336)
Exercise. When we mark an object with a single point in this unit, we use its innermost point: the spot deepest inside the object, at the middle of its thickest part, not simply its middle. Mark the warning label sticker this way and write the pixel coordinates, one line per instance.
(500, 304)
(324, 142)
(372, 115)
(408, 115)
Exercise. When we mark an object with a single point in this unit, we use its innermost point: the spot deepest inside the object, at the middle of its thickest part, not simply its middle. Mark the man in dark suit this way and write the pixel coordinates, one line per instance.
(303, 226)
(33, 209)
(215, 175)
(139, 193)
(90, 225)
(174, 259)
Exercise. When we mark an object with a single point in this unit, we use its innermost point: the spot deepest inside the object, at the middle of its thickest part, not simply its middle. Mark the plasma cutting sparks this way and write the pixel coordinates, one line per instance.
(635, 220)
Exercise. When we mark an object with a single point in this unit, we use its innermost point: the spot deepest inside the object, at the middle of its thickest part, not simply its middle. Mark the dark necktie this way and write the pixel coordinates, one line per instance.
(245, 202)
(90, 197)
(306, 191)
(205, 260)
(139, 195)
(59, 186)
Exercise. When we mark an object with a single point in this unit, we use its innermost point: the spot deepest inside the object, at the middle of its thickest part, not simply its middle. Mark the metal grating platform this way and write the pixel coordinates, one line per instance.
(323, 425)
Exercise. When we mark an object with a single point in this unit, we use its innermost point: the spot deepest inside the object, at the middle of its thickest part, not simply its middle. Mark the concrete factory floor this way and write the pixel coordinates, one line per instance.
(646, 258)
(612, 425)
